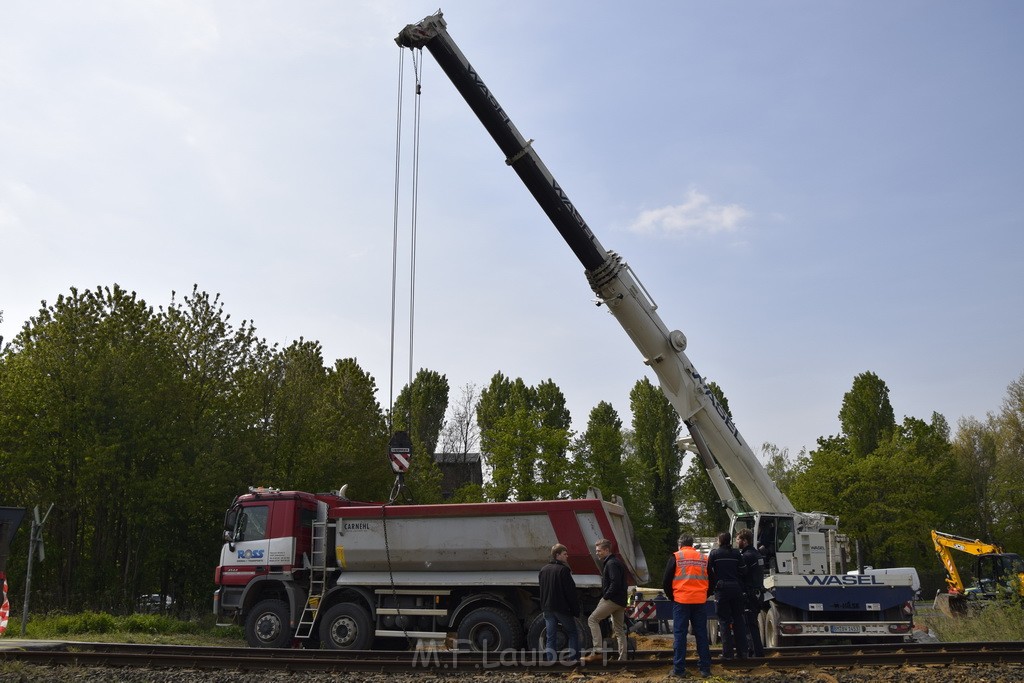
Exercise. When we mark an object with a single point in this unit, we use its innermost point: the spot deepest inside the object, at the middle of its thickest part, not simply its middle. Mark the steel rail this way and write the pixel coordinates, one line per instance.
(245, 659)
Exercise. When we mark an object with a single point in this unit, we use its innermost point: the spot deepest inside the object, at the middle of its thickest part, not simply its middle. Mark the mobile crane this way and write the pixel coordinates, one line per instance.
(809, 595)
(996, 573)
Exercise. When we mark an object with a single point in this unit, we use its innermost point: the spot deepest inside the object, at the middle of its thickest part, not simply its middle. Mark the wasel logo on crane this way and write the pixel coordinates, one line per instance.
(843, 580)
(706, 390)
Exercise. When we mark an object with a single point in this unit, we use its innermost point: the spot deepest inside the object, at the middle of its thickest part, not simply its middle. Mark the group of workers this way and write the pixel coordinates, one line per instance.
(735, 576)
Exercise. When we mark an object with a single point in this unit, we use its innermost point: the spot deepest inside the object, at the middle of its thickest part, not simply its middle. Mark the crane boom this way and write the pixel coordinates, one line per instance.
(723, 451)
(808, 595)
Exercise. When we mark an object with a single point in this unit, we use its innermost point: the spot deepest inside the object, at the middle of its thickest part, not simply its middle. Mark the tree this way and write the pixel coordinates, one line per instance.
(781, 468)
(524, 437)
(88, 390)
(655, 431)
(461, 433)
(419, 410)
(905, 488)
(866, 415)
(1007, 491)
(351, 438)
(294, 381)
(976, 450)
(598, 454)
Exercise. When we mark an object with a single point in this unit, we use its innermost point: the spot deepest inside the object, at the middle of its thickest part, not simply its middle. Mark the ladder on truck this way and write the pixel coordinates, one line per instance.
(317, 573)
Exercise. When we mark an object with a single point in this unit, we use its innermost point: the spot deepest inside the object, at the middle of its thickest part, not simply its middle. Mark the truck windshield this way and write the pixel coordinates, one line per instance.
(252, 524)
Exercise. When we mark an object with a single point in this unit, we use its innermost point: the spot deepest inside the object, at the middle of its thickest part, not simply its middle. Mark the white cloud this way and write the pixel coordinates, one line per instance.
(697, 215)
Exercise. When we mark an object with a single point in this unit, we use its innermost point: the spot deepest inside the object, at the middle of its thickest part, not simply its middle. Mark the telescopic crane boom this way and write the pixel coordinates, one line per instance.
(718, 441)
(809, 593)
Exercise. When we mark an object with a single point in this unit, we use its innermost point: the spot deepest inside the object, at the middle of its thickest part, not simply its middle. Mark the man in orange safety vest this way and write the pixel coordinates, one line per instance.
(686, 580)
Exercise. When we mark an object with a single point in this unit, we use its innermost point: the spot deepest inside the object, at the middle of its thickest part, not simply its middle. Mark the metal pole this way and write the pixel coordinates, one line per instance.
(35, 545)
(28, 572)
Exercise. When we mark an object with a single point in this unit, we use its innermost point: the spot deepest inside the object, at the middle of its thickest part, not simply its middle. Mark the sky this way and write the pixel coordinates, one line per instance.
(808, 190)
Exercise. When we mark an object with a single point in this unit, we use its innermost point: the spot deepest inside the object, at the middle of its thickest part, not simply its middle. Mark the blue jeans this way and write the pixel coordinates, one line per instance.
(551, 621)
(683, 615)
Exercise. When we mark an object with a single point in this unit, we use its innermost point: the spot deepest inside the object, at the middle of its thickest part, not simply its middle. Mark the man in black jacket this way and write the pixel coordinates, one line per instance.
(612, 603)
(726, 574)
(753, 589)
(559, 602)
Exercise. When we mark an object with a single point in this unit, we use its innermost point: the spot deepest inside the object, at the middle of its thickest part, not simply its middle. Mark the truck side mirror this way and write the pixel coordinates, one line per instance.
(230, 519)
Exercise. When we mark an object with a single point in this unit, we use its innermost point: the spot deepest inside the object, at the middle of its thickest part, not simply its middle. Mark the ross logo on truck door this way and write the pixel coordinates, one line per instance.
(251, 554)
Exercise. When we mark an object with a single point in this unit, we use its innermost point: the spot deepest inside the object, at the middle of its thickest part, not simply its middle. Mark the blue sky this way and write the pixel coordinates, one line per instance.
(809, 190)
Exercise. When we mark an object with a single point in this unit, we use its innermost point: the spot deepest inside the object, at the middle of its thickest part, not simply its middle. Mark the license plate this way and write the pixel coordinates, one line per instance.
(845, 629)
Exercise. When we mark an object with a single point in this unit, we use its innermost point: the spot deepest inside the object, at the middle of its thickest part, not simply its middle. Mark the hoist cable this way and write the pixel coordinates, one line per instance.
(413, 217)
(394, 239)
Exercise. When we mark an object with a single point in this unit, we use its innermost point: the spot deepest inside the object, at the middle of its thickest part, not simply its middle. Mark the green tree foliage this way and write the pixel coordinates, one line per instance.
(524, 438)
(866, 415)
(598, 456)
(655, 431)
(419, 410)
(289, 392)
(890, 497)
(352, 438)
(141, 425)
(975, 449)
(1007, 490)
(781, 467)
(81, 426)
(909, 485)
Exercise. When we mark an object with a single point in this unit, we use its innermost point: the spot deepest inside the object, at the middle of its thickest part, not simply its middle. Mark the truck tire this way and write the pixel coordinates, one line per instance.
(536, 636)
(489, 629)
(772, 637)
(346, 626)
(267, 624)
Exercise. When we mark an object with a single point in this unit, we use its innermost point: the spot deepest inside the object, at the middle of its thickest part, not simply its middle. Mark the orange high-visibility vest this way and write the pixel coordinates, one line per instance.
(690, 584)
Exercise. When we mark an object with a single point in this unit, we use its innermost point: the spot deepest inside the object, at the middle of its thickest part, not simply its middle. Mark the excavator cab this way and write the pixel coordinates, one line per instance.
(997, 572)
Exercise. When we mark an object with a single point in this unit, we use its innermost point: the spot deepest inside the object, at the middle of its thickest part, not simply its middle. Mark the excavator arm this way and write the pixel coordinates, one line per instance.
(945, 542)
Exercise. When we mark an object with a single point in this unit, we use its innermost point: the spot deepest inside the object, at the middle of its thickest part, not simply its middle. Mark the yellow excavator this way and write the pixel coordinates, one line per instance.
(996, 574)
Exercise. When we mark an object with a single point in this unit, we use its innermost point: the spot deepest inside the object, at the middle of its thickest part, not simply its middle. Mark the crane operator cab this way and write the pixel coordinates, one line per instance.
(773, 535)
(796, 543)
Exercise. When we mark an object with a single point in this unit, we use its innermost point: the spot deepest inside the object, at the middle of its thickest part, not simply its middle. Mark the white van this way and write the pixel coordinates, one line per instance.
(915, 579)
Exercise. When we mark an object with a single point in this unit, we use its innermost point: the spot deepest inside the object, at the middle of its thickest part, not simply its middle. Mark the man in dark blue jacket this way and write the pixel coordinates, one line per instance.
(726, 575)
(753, 589)
(559, 602)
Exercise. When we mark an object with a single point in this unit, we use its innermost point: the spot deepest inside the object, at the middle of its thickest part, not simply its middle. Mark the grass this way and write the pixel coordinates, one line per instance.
(133, 628)
(996, 622)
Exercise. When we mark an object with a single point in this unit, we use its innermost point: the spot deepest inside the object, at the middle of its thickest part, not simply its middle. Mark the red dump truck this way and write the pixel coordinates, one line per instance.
(320, 570)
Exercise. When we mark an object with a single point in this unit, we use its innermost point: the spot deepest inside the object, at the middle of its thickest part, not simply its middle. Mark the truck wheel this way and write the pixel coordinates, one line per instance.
(772, 637)
(267, 624)
(489, 629)
(346, 626)
(536, 637)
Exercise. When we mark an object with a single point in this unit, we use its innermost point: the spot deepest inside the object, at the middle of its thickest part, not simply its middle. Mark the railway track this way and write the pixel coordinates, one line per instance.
(108, 655)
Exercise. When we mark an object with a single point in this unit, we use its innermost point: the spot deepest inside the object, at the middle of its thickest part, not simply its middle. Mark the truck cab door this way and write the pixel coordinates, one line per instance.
(249, 546)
